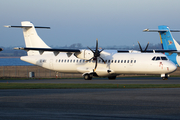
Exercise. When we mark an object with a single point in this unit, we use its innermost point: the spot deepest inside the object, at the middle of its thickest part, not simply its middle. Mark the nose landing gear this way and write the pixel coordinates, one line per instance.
(164, 76)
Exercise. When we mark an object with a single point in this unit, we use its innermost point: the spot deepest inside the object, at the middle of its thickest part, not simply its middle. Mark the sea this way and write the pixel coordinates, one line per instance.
(13, 62)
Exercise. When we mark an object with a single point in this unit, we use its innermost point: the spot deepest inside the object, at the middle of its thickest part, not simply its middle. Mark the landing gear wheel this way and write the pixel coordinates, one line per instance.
(164, 78)
(87, 77)
(112, 77)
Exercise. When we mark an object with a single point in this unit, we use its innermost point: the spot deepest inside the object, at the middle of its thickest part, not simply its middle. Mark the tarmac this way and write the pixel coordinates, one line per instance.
(80, 104)
(120, 80)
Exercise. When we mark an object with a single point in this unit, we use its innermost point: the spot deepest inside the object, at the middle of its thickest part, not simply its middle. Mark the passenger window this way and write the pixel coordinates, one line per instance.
(153, 58)
(112, 61)
(73, 60)
(118, 61)
(131, 61)
(108, 61)
(105, 61)
(70, 60)
(80, 61)
(77, 61)
(115, 61)
(59, 60)
(121, 61)
(124, 61)
(164, 58)
(62, 61)
(158, 58)
(67, 60)
(134, 61)
(128, 61)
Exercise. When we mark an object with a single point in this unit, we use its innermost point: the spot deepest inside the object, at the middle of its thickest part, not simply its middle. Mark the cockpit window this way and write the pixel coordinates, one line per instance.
(154, 58)
(158, 58)
(164, 58)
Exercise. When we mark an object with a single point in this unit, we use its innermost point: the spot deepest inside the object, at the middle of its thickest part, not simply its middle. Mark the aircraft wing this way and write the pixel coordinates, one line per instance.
(122, 51)
(128, 51)
(170, 51)
(148, 51)
(41, 50)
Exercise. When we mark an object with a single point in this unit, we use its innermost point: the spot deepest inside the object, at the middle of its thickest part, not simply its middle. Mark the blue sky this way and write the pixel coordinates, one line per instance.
(113, 22)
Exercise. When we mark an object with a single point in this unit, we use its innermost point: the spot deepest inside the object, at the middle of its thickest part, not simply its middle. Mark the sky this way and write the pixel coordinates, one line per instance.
(113, 22)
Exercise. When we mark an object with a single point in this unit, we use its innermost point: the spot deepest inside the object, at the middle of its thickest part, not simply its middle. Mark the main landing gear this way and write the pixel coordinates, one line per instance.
(88, 77)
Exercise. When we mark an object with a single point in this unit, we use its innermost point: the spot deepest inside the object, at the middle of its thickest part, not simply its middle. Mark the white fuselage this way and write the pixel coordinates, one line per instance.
(116, 63)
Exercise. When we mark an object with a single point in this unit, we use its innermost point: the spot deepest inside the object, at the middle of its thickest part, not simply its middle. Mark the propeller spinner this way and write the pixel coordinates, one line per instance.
(97, 54)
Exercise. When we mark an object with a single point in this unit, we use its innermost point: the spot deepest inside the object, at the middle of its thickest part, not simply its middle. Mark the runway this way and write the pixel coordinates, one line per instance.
(124, 80)
(80, 104)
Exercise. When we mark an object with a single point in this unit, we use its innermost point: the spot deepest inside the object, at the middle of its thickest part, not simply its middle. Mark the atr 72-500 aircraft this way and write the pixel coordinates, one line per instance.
(169, 44)
(90, 63)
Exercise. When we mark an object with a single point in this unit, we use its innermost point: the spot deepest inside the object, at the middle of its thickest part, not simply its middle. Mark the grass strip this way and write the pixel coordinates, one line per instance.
(82, 86)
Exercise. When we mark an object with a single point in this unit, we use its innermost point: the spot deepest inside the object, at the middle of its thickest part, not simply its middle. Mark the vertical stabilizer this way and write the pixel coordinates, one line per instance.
(32, 40)
(31, 37)
(167, 40)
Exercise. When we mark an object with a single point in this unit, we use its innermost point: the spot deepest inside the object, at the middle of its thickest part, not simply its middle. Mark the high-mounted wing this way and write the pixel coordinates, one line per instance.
(41, 50)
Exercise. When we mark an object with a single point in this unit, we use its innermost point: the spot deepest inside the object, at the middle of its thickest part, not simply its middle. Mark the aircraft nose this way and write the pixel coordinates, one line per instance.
(172, 67)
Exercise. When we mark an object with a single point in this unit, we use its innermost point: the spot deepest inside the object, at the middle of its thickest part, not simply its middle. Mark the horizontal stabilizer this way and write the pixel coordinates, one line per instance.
(148, 30)
(9, 26)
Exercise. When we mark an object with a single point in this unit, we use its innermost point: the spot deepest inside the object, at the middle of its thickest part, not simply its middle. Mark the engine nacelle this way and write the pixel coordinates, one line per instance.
(84, 54)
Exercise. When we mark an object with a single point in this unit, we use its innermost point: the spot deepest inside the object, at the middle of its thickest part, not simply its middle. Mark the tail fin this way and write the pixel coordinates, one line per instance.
(166, 38)
(31, 37)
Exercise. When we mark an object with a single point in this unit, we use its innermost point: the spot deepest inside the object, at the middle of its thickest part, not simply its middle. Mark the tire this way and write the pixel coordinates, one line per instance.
(164, 78)
(87, 77)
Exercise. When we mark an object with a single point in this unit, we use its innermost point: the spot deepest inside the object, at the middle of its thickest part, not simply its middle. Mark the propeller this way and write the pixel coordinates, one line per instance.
(97, 54)
(141, 47)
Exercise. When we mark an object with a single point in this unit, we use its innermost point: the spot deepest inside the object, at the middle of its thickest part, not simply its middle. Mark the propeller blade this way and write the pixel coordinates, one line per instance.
(146, 47)
(101, 51)
(96, 44)
(102, 60)
(140, 47)
(90, 49)
(90, 59)
(95, 66)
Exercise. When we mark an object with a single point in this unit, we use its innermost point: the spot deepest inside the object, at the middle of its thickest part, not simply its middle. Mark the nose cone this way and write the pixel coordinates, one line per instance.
(172, 67)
